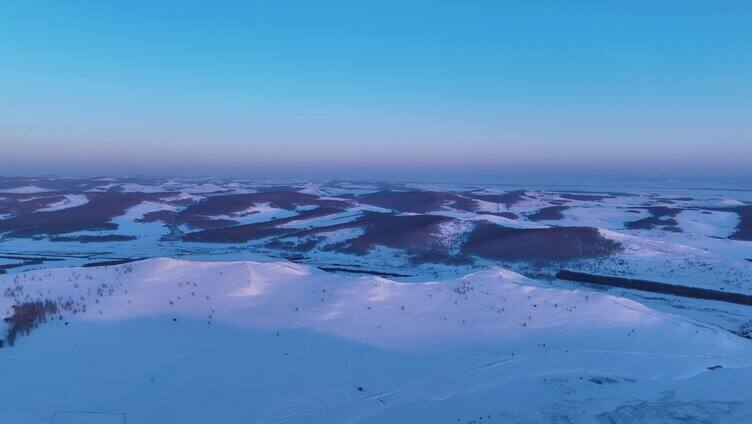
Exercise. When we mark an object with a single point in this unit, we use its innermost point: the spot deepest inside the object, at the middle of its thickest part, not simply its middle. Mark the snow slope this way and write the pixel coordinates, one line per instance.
(165, 340)
(69, 201)
(28, 189)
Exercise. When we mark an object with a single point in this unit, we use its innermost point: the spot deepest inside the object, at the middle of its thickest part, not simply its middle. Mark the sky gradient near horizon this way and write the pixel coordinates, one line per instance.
(343, 88)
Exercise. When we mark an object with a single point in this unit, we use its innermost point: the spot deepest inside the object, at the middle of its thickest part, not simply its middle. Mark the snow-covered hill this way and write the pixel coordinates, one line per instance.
(166, 340)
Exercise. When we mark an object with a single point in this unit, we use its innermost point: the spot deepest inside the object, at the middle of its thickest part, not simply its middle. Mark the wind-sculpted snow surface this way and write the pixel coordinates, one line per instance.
(166, 340)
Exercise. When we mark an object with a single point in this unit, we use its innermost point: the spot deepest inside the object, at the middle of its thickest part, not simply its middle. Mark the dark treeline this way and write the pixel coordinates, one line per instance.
(652, 286)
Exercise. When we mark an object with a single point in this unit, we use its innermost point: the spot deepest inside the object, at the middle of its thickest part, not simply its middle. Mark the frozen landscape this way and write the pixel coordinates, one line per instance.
(145, 300)
(375, 212)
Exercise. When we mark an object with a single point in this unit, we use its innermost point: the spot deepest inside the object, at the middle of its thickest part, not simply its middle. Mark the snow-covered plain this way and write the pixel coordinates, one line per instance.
(163, 340)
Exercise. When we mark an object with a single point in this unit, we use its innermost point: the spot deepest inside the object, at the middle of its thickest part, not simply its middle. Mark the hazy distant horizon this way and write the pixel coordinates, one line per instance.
(383, 89)
(571, 183)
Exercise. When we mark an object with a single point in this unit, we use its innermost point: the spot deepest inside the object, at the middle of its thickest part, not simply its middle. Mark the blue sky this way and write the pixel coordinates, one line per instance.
(345, 88)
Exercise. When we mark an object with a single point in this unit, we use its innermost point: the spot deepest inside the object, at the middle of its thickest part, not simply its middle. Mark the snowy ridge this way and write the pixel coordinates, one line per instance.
(69, 201)
(638, 245)
(486, 306)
